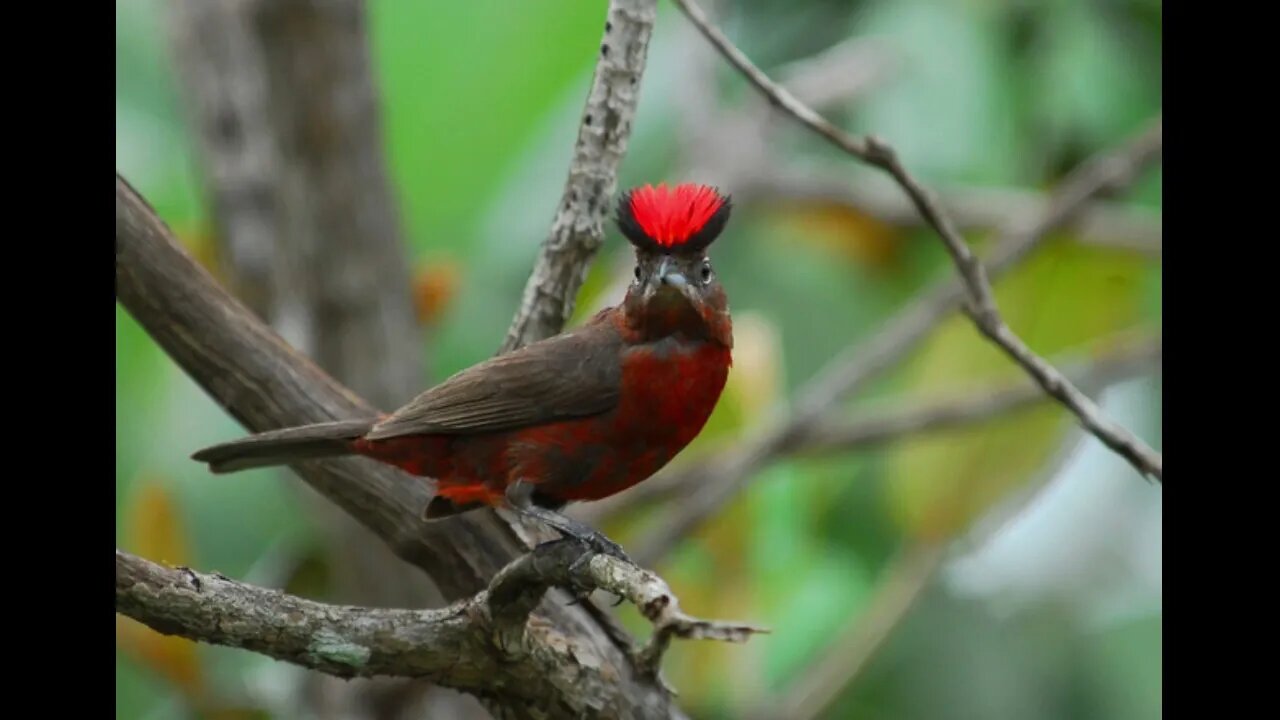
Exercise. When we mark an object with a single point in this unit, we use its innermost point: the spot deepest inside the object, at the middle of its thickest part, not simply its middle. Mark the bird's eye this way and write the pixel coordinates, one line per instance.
(706, 272)
(637, 273)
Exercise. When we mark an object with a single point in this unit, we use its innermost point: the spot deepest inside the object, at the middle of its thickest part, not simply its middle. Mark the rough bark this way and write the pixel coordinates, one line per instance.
(483, 645)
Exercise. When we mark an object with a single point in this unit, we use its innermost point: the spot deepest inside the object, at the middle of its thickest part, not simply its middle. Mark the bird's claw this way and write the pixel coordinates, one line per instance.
(596, 544)
(604, 546)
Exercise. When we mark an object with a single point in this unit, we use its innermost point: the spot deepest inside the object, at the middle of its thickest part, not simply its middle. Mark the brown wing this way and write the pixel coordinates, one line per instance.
(572, 375)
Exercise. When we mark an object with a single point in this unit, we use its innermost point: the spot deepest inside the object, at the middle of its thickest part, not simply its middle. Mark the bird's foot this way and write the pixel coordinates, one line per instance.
(596, 543)
(590, 538)
(519, 499)
(602, 545)
(593, 541)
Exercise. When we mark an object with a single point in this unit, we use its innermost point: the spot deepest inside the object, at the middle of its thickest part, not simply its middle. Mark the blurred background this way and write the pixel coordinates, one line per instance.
(998, 566)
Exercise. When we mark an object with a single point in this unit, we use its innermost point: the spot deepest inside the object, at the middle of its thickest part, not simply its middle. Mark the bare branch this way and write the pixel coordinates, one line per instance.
(472, 645)
(263, 383)
(873, 427)
(982, 308)
(858, 364)
(578, 229)
(441, 645)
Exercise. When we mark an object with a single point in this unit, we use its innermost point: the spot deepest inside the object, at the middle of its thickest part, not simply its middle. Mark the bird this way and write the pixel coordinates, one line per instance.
(578, 416)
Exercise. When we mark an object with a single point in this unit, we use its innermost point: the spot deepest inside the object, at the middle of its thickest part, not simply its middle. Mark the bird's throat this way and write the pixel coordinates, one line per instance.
(677, 318)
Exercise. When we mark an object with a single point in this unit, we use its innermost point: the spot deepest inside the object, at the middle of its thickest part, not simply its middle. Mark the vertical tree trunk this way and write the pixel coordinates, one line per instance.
(281, 96)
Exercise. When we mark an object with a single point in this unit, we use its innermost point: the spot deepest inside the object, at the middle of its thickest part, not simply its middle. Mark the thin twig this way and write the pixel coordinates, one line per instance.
(981, 305)
(850, 371)
(578, 229)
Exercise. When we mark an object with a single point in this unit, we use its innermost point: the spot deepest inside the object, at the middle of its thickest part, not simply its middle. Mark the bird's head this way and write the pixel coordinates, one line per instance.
(675, 290)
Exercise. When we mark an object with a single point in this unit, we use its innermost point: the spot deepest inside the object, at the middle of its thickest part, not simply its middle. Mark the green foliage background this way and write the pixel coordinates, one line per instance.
(480, 101)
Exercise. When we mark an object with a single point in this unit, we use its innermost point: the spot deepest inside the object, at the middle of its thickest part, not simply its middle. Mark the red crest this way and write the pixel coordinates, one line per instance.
(686, 218)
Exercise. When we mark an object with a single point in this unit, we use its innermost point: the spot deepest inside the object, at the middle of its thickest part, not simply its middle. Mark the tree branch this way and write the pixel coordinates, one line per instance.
(859, 363)
(981, 306)
(442, 645)
(473, 645)
(578, 229)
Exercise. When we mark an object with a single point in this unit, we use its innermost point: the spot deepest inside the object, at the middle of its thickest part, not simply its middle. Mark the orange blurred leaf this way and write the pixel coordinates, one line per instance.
(848, 232)
(434, 286)
(173, 658)
(155, 525)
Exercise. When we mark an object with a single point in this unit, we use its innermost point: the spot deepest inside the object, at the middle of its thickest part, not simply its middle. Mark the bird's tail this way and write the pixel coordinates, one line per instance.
(282, 447)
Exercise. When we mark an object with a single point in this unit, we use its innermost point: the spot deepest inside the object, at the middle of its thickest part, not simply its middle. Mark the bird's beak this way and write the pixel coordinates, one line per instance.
(671, 282)
(669, 276)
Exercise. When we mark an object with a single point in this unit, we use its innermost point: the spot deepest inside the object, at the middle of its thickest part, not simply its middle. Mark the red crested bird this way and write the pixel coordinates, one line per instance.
(578, 416)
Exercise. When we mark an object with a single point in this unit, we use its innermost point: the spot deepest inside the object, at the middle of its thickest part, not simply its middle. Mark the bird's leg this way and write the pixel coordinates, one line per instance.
(520, 498)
